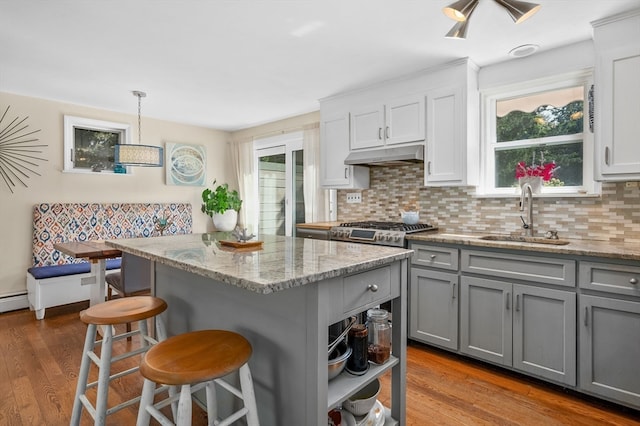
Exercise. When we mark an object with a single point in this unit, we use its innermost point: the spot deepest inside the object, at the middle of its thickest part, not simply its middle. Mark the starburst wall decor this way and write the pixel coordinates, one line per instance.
(17, 149)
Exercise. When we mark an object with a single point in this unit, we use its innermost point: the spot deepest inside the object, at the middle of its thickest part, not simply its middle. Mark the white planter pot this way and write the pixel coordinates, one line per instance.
(534, 181)
(226, 221)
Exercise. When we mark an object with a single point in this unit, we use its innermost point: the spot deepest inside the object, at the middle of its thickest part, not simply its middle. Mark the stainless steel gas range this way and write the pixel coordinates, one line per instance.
(379, 233)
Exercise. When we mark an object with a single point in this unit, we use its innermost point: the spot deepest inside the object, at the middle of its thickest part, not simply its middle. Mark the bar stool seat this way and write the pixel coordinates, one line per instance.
(106, 315)
(193, 361)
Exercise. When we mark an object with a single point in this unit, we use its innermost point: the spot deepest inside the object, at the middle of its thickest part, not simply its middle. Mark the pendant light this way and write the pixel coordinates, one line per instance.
(519, 10)
(459, 30)
(461, 11)
(139, 155)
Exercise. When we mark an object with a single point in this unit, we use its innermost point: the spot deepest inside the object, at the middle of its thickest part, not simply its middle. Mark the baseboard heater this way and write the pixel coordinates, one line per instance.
(13, 302)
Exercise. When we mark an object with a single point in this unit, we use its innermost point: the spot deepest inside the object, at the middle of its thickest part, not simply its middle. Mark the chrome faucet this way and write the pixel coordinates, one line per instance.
(527, 194)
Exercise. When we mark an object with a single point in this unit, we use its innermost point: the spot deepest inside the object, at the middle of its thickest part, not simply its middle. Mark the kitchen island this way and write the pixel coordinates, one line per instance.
(282, 297)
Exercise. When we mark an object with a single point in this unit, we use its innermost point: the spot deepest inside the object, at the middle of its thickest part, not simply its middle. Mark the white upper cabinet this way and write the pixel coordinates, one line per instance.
(439, 105)
(617, 98)
(453, 148)
(367, 126)
(334, 139)
(400, 120)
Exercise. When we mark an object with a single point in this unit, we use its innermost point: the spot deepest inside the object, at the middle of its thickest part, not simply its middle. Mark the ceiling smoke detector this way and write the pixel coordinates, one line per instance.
(524, 50)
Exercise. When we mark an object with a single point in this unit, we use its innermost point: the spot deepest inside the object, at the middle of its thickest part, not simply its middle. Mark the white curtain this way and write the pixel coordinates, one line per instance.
(242, 161)
(316, 199)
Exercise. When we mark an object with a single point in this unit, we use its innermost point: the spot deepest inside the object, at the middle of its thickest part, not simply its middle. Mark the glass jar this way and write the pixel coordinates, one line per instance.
(358, 362)
(379, 349)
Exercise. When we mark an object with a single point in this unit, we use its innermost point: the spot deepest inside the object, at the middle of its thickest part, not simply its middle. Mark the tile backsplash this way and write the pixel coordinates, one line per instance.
(614, 216)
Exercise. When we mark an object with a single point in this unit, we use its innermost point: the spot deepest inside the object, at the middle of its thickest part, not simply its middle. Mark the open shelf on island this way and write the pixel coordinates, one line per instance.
(347, 384)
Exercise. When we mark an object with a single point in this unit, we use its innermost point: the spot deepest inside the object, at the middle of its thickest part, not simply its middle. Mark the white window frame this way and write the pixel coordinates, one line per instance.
(489, 97)
(71, 123)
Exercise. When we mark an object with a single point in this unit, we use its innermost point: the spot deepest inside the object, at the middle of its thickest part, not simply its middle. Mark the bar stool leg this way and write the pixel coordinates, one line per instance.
(103, 376)
(212, 403)
(184, 406)
(146, 399)
(85, 364)
(248, 395)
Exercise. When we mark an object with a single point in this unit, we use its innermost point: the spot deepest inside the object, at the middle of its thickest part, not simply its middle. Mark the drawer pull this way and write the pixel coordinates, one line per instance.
(372, 287)
(633, 281)
(433, 257)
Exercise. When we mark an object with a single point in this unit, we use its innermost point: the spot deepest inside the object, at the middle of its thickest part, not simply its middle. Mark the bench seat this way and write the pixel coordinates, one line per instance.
(52, 271)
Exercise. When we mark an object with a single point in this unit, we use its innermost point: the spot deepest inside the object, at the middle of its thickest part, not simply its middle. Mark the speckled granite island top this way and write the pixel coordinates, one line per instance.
(626, 251)
(281, 263)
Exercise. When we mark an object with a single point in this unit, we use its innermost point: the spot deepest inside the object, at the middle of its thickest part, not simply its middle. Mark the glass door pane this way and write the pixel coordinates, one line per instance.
(298, 188)
(272, 191)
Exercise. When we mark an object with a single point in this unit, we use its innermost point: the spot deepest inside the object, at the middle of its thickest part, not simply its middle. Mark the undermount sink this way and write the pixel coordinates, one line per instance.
(522, 239)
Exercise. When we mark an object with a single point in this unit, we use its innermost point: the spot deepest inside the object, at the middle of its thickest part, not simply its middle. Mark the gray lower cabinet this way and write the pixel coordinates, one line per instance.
(486, 319)
(434, 307)
(529, 328)
(609, 325)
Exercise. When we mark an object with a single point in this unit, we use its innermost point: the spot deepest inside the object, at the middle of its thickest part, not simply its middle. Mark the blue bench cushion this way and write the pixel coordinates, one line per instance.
(42, 272)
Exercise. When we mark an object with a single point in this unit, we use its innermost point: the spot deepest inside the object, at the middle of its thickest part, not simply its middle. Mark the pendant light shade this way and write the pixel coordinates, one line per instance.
(139, 155)
(460, 10)
(459, 30)
(519, 10)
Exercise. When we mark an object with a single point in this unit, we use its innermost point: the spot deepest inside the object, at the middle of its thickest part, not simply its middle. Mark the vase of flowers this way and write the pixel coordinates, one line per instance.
(534, 174)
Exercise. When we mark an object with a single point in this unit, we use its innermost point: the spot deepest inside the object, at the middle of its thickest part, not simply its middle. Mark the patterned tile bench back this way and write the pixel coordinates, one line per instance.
(61, 222)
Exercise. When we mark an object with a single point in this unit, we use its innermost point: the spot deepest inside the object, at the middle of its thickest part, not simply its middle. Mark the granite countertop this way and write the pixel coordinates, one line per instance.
(627, 251)
(281, 262)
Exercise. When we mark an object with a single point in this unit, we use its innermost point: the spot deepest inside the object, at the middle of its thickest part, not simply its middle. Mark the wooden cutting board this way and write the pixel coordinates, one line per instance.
(241, 244)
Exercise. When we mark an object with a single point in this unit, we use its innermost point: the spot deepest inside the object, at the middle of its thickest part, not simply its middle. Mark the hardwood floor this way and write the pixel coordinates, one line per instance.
(39, 362)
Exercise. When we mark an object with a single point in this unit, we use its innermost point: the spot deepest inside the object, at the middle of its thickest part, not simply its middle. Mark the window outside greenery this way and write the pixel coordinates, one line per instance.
(95, 149)
(537, 129)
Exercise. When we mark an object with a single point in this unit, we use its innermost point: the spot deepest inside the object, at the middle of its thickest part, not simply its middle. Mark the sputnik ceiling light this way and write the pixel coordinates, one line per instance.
(139, 155)
(461, 11)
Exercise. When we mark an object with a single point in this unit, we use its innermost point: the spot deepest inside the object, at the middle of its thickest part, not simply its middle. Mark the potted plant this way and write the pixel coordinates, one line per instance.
(222, 205)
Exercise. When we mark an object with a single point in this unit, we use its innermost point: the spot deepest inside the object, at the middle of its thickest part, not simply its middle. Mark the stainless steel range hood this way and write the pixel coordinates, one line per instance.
(387, 156)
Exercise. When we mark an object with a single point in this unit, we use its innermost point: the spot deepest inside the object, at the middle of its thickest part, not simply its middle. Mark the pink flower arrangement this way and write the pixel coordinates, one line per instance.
(545, 171)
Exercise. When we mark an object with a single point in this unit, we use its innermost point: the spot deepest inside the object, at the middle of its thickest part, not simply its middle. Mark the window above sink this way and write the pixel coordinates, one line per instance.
(537, 124)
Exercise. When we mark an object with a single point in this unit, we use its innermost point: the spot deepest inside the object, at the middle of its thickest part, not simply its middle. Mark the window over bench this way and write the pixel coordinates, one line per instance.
(539, 128)
(89, 145)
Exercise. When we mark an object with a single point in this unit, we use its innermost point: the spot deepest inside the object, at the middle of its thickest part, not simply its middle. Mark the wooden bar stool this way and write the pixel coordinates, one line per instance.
(193, 361)
(106, 315)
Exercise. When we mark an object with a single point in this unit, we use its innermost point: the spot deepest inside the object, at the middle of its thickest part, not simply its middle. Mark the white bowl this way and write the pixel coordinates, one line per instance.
(361, 402)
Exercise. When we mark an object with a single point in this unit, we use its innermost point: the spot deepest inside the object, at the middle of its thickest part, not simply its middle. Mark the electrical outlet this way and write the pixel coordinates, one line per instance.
(631, 184)
(354, 197)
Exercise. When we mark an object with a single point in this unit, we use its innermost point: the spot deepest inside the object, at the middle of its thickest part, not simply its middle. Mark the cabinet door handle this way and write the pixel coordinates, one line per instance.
(429, 167)
(606, 155)
(633, 281)
(453, 293)
(586, 316)
(346, 173)
(380, 133)
(372, 287)
(508, 298)
(386, 132)
(517, 303)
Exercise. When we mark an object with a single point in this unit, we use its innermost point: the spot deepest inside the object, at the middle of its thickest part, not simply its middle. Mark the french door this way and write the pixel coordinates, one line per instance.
(280, 182)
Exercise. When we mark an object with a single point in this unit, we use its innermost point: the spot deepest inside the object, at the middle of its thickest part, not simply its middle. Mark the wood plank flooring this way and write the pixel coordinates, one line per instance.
(39, 363)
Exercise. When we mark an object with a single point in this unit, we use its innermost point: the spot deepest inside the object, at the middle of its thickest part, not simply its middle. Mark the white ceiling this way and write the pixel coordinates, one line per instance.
(233, 64)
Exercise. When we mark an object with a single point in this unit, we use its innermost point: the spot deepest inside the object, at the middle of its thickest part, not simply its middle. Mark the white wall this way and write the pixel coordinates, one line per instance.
(144, 185)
